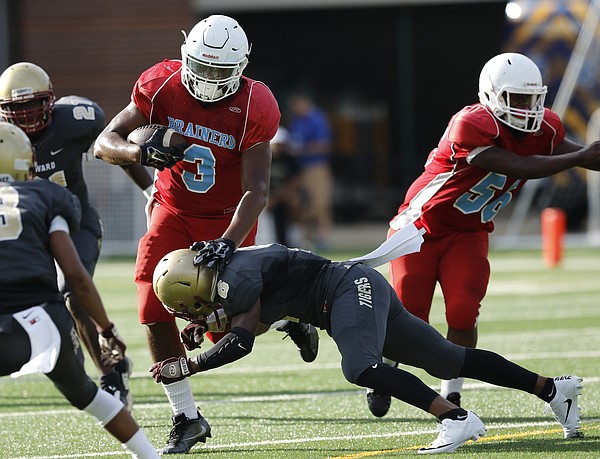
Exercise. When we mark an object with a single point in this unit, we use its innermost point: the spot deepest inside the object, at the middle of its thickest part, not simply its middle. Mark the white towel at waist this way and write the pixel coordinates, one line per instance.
(44, 338)
(407, 239)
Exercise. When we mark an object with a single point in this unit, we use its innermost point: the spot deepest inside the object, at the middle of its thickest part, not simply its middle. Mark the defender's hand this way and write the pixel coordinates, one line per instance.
(112, 346)
(214, 254)
(192, 336)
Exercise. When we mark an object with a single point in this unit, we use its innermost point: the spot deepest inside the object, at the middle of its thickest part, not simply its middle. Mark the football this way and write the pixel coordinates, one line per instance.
(167, 137)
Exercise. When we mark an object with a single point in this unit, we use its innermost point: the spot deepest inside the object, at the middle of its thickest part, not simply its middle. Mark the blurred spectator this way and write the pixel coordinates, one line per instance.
(311, 142)
(286, 194)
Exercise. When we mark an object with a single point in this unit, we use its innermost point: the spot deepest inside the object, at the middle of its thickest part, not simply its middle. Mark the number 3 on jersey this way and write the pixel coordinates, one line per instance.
(204, 178)
(10, 215)
(479, 197)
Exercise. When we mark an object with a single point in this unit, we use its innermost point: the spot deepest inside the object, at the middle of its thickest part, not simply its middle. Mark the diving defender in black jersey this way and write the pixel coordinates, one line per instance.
(359, 309)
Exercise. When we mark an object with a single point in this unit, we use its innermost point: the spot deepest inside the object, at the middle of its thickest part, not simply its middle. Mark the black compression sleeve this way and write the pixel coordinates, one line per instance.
(233, 346)
(399, 384)
(492, 368)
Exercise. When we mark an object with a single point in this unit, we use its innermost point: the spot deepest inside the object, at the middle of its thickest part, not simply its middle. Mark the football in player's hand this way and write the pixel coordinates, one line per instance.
(157, 133)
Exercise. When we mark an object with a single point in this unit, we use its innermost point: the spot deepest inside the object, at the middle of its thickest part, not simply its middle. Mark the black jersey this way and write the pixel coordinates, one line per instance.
(290, 283)
(76, 122)
(27, 270)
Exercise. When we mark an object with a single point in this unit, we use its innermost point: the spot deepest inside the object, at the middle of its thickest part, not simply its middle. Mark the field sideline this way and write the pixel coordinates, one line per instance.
(271, 405)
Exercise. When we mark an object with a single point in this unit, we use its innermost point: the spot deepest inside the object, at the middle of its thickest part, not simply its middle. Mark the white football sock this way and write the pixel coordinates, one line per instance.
(181, 398)
(140, 447)
(451, 385)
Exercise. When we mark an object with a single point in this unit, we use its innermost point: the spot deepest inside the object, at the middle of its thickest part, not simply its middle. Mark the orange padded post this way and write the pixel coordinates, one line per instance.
(554, 227)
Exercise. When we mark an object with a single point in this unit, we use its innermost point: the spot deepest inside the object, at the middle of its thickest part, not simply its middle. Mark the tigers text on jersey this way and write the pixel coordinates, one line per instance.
(76, 122)
(453, 195)
(208, 180)
(289, 282)
(27, 270)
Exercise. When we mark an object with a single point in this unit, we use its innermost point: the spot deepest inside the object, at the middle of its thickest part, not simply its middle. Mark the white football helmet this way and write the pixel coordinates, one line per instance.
(510, 85)
(26, 97)
(185, 290)
(17, 161)
(214, 56)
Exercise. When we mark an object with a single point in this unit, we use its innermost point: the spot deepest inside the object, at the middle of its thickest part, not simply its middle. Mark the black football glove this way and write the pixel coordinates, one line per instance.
(214, 254)
(154, 154)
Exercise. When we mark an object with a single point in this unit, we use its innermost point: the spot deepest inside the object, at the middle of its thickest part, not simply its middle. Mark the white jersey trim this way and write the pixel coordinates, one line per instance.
(158, 90)
(415, 207)
(476, 151)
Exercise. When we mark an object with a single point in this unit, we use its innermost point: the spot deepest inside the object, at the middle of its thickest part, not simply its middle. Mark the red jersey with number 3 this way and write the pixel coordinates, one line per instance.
(453, 195)
(208, 180)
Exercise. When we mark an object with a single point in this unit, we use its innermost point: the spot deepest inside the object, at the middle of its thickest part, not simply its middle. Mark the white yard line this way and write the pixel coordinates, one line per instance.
(226, 399)
(271, 442)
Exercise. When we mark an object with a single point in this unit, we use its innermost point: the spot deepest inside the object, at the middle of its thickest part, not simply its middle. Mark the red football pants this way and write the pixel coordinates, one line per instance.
(169, 231)
(459, 262)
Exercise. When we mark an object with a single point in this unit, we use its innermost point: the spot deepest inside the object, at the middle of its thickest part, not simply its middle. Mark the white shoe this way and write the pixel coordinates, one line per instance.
(564, 404)
(455, 433)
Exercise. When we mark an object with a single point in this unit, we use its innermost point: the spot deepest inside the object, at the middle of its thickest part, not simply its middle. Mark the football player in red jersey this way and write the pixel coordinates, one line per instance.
(62, 132)
(213, 191)
(486, 154)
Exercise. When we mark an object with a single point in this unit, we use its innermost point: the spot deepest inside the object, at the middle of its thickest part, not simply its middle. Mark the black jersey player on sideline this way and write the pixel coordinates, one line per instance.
(36, 331)
(61, 133)
(361, 312)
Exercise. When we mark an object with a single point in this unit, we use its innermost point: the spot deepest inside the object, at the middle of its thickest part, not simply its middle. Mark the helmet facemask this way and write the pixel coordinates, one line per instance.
(32, 115)
(521, 111)
(209, 82)
(214, 56)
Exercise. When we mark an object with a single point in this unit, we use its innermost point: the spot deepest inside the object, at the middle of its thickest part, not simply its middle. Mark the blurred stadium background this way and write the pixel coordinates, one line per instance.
(389, 74)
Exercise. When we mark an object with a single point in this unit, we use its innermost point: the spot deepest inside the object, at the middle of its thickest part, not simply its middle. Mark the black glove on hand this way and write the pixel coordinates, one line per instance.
(214, 254)
(155, 154)
(192, 336)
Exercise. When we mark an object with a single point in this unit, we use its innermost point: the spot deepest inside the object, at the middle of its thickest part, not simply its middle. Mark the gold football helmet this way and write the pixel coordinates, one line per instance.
(16, 154)
(185, 290)
(26, 97)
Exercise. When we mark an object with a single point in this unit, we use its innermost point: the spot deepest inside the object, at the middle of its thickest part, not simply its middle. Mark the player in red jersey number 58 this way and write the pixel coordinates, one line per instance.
(487, 153)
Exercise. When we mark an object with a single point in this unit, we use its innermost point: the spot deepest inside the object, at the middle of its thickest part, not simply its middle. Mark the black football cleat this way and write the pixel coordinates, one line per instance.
(305, 337)
(185, 434)
(116, 383)
(378, 403)
(454, 397)
(124, 369)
